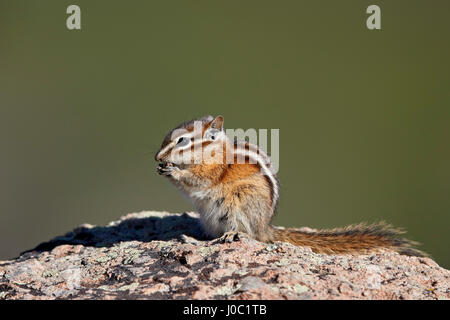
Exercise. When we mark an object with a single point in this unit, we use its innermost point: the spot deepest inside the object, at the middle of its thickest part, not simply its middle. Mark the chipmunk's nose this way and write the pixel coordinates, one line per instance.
(158, 156)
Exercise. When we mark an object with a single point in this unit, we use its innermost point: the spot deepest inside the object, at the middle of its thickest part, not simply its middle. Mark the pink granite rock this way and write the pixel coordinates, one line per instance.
(156, 255)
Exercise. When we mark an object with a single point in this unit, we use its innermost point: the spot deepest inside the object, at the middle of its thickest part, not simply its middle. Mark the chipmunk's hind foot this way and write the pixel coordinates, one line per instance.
(231, 236)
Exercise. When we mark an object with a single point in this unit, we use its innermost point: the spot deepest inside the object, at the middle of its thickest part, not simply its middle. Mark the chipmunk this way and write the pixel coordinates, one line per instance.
(240, 197)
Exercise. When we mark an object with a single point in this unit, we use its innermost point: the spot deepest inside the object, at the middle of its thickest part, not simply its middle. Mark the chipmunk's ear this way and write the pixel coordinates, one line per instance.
(217, 123)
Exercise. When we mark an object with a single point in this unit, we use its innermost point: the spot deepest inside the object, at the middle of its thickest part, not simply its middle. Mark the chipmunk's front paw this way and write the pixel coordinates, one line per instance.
(231, 236)
(167, 169)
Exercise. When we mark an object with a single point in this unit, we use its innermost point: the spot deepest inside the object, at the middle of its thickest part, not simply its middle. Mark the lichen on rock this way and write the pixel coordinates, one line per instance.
(159, 255)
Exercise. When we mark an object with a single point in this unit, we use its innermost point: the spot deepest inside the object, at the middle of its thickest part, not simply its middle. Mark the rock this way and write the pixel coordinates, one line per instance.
(157, 255)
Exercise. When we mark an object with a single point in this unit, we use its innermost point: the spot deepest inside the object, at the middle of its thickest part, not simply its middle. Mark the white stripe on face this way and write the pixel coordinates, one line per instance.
(176, 134)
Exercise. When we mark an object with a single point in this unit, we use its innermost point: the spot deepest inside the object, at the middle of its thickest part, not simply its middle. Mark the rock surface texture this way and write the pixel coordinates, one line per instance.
(156, 255)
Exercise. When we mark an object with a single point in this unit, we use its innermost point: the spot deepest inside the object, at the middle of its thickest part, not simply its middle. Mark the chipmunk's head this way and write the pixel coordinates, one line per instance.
(193, 142)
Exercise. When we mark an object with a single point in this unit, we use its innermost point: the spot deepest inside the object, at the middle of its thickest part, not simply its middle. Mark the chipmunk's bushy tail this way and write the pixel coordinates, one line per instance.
(360, 238)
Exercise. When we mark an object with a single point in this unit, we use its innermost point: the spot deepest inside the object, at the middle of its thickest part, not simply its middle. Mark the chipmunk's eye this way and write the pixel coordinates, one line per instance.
(212, 134)
(182, 141)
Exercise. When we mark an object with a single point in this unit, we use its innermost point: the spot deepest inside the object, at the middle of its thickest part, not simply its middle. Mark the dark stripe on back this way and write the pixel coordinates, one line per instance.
(271, 187)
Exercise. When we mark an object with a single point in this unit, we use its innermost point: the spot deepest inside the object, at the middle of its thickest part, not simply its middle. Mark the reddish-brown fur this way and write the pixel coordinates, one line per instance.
(351, 239)
(239, 188)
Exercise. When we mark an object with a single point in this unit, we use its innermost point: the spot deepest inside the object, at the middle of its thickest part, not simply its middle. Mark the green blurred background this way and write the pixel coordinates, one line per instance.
(364, 116)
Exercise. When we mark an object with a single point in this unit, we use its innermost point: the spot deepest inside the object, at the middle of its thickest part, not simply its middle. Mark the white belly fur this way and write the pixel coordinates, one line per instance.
(210, 212)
